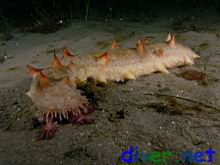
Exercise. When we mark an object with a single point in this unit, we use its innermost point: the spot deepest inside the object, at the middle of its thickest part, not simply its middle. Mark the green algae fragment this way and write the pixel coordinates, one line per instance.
(13, 68)
(204, 46)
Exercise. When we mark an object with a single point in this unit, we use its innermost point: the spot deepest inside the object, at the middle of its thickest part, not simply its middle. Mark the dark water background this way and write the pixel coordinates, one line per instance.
(47, 16)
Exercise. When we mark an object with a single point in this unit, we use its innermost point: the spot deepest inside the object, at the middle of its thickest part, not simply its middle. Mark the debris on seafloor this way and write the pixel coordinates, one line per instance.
(13, 68)
(173, 107)
(201, 77)
(119, 114)
(201, 47)
(176, 105)
(3, 57)
(192, 75)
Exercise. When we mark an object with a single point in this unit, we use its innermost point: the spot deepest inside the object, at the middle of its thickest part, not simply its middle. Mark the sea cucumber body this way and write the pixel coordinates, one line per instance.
(57, 97)
(128, 64)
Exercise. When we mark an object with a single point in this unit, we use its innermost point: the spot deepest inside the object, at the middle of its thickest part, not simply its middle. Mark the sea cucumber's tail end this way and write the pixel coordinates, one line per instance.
(189, 60)
(195, 56)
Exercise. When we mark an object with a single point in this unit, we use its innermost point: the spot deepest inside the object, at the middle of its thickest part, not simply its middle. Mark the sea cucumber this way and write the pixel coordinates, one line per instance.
(57, 97)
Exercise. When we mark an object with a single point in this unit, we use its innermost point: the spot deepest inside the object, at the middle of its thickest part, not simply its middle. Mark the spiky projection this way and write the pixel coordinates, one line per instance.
(114, 44)
(61, 100)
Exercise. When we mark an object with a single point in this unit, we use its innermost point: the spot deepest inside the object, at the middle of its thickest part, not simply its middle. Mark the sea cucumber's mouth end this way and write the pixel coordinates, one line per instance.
(66, 114)
(78, 116)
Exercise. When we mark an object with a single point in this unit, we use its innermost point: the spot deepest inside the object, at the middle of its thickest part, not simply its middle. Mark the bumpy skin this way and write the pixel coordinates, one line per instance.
(61, 100)
(129, 64)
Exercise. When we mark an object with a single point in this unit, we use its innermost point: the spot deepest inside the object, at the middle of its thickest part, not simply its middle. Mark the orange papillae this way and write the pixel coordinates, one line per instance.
(104, 58)
(172, 41)
(33, 70)
(44, 81)
(66, 53)
(168, 37)
(141, 46)
(114, 44)
(56, 64)
(160, 52)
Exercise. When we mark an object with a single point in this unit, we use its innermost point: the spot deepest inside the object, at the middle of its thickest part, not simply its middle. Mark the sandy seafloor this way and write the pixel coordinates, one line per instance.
(126, 113)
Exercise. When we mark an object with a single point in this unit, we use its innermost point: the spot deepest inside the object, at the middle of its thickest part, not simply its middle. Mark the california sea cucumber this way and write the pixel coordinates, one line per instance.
(57, 97)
